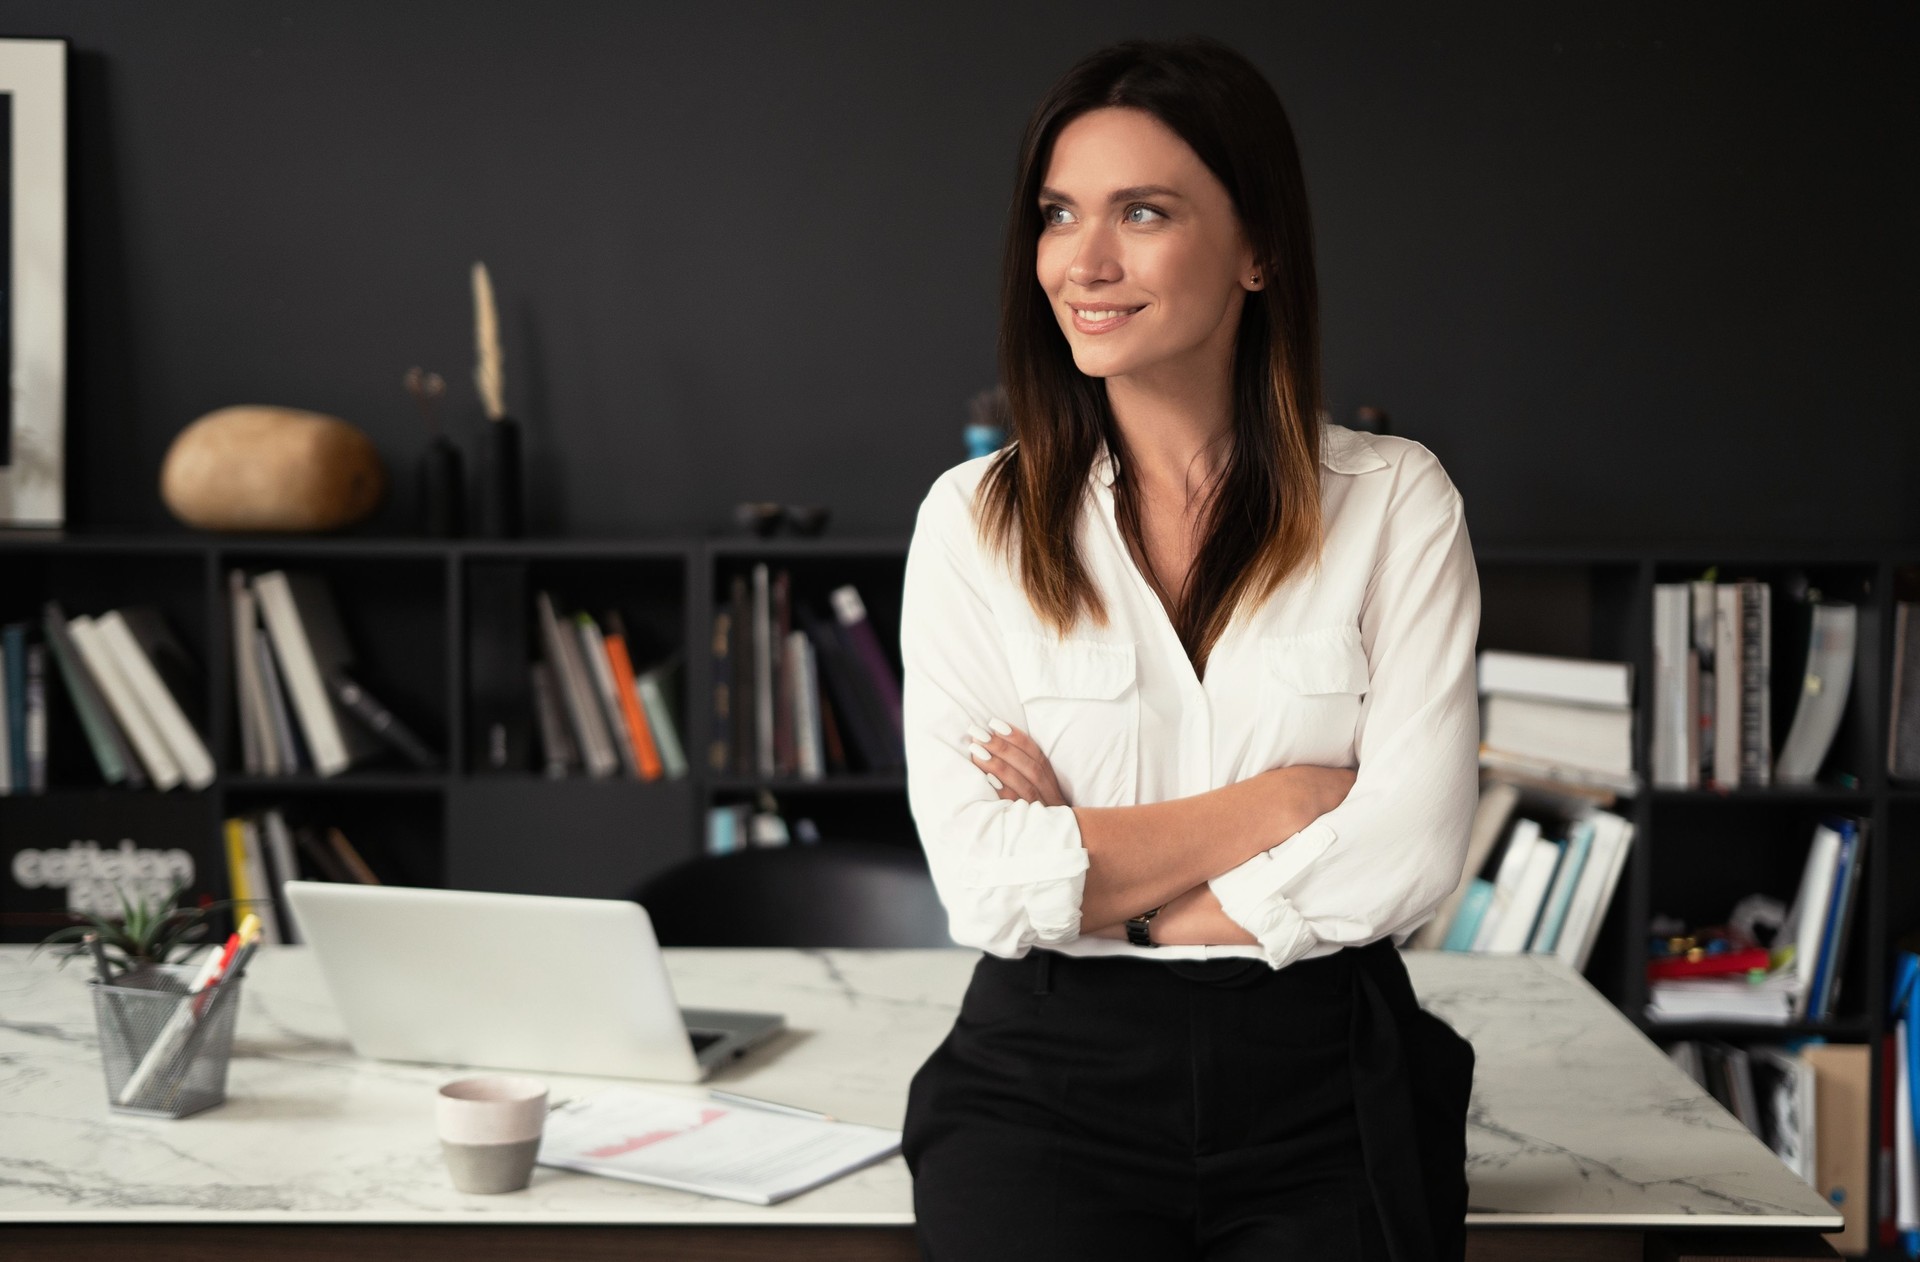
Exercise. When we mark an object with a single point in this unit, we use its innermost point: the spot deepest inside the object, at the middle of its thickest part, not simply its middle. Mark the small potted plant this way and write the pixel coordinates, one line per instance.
(148, 932)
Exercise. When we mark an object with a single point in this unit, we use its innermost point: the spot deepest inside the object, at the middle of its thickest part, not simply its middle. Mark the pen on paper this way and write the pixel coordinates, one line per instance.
(768, 1105)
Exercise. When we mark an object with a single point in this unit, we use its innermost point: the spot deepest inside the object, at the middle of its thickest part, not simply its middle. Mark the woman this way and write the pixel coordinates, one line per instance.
(1191, 727)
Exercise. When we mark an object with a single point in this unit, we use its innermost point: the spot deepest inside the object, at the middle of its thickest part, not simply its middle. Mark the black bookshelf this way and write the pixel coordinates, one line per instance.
(408, 605)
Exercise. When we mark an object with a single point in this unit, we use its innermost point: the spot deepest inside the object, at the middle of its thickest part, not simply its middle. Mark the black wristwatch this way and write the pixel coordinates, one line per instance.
(1137, 928)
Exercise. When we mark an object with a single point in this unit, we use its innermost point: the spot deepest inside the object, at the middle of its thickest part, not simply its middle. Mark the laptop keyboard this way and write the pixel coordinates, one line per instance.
(703, 1039)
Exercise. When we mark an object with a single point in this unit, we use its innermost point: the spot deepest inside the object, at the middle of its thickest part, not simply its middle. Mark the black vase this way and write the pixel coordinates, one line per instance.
(443, 489)
(503, 480)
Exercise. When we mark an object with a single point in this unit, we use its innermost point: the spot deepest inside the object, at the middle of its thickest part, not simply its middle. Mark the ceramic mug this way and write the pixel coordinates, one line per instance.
(490, 1130)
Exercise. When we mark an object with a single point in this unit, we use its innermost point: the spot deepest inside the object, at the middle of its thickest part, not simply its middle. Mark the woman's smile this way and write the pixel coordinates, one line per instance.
(1103, 318)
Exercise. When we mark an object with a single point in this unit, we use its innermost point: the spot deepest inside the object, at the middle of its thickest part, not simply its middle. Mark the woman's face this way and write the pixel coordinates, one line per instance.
(1133, 223)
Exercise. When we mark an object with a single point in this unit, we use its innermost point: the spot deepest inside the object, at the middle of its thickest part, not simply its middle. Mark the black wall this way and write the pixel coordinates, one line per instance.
(1634, 274)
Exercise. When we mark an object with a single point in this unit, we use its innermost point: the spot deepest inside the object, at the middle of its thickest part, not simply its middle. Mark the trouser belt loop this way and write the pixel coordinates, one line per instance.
(1042, 971)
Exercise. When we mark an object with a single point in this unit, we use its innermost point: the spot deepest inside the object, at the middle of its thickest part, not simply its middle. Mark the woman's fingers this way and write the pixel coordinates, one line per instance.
(1016, 762)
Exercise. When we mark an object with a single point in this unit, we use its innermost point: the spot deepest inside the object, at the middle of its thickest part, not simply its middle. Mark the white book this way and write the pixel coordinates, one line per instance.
(1807, 920)
(1513, 864)
(1583, 681)
(126, 707)
(1726, 682)
(593, 651)
(279, 721)
(1672, 699)
(569, 670)
(1587, 738)
(808, 740)
(169, 720)
(1612, 838)
(698, 1143)
(300, 672)
(1529, 896)
(260, 756)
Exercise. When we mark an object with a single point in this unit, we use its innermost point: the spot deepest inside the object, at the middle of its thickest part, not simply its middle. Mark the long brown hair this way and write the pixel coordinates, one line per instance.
(1264, 519)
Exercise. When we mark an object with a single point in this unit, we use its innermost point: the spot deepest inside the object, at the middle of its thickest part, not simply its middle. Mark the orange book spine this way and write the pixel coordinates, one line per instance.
(644, 752)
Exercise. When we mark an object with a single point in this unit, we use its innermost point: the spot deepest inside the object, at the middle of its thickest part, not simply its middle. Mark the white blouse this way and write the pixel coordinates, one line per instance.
(1367, 663)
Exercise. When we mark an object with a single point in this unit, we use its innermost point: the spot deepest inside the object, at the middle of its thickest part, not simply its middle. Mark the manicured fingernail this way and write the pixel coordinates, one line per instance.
(999, 727)
(979, 752)
(994, 781)
(978, 733)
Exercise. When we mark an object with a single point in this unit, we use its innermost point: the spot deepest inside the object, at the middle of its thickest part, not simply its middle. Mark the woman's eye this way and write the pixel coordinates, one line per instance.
(1046, 213)
(1150, 210)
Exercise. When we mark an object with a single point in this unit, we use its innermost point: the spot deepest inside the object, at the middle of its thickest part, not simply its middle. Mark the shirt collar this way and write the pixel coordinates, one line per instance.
(1342, 450)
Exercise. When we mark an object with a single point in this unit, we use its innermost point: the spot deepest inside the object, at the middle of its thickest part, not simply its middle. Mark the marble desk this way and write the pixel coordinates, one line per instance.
(1582, 1131)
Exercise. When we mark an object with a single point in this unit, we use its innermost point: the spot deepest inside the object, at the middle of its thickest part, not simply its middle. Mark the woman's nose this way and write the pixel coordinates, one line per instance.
(1094, 259)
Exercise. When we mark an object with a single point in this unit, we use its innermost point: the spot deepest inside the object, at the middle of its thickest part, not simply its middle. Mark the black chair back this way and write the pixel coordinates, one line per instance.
(824, 894)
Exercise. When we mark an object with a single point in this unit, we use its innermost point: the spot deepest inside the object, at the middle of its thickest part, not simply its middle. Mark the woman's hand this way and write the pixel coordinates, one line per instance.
(1014, 765)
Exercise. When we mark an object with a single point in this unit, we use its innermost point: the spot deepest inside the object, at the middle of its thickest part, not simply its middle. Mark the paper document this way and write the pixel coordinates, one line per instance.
(699, 1145)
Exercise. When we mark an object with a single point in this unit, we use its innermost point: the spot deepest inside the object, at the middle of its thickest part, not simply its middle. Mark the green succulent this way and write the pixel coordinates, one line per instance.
(148, 931)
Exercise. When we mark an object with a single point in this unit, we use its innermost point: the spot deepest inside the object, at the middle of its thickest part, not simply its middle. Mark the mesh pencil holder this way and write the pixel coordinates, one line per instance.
(164, 1051)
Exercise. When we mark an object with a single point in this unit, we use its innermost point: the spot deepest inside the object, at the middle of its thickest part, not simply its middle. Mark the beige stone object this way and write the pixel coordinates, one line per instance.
(257, 467)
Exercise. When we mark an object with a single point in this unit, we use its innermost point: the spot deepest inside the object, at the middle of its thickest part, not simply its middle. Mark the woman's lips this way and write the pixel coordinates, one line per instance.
(1107, 325)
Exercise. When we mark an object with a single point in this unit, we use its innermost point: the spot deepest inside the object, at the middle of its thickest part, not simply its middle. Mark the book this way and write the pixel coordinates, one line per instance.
(156, 669)
(700, 1144)
(1507, 877)
(13, 710)
(1593, 892)
(1674, 663)
(605, 692)
(310, 644)
(1585, 738)
(574, 691)
(763, 761)
(652, 687)
(283, 732)
(350, 858)
(282, 865)
(127, 711)
(557, 749)
(1553, 913)
(639, 731)
(109, 744)
(1823, 692)
(1575, 680)
(259, 756)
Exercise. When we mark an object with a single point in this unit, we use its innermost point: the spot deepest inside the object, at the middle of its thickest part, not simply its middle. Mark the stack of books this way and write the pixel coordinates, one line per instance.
(593, 710)
(1712, 692)
(1523, 890)
(136, 691)
(263, 853)
(302, 705)
(1559, 720)
(1800, 980)
(800, 700)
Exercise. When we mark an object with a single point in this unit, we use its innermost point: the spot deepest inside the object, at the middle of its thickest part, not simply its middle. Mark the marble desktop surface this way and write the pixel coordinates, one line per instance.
(1577, 1118)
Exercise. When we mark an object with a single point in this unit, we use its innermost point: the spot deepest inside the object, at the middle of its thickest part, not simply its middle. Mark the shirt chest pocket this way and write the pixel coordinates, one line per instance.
(1082, 703)
(1313, 682)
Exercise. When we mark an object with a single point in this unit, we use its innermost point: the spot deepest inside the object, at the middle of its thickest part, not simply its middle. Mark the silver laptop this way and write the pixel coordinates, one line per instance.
(511, 981)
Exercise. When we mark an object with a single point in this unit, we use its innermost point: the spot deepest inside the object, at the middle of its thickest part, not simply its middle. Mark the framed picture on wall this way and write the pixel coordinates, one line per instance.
(33, 281)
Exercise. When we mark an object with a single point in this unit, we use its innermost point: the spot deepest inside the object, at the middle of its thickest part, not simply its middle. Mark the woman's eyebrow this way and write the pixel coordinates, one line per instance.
(1118, 194)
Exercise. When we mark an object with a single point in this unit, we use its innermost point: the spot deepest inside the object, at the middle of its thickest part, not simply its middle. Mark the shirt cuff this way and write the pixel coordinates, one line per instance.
(1050, 866)
(1251, 894)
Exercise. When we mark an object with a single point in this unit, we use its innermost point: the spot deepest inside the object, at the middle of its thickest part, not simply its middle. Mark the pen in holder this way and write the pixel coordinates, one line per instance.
(163, 1049)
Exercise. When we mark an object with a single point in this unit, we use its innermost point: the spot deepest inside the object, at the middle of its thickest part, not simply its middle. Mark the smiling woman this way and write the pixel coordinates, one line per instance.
(1191, 726)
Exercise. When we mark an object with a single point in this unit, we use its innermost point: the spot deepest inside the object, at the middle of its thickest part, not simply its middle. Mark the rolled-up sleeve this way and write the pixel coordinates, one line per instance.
(1383, 860)
(1010, 873)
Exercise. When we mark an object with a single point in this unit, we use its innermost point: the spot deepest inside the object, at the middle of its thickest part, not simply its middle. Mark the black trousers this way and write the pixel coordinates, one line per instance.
(1221, 1109)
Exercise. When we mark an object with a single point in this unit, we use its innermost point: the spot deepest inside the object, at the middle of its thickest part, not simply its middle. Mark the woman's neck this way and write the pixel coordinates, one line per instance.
(1176, 435)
